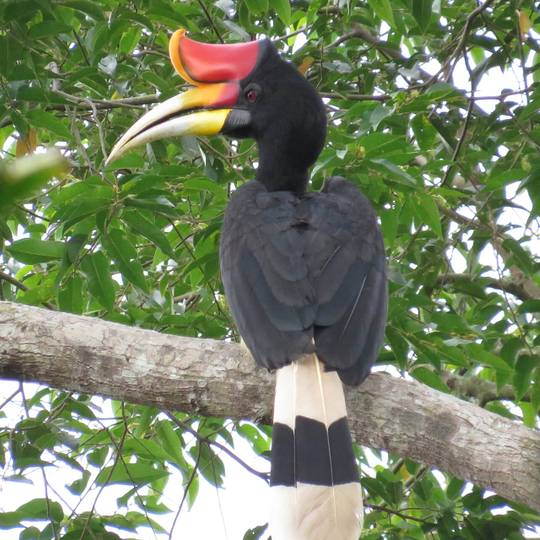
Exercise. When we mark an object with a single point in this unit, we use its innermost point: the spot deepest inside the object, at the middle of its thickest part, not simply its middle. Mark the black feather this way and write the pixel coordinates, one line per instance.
(298, 267)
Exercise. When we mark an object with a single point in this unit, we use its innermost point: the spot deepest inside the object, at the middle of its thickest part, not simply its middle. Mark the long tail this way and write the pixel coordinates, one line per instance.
(315, 493)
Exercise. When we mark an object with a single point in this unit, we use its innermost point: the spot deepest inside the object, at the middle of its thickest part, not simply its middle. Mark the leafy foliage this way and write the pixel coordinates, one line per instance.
(453, 176)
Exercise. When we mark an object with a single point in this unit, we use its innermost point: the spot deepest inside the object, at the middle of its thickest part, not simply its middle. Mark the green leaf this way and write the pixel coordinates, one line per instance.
(98, 456)
(46, 120)
(256, 533)
(137, 474)
(283, 9)
(129, 161)
(530, 306)
(431, 378)
(535, 391)
(536, 62)
(86, 7)
(9, 520)
(158, 204)
(129, 40)
(522, 380)
(140, 224)
(147, 449)
(30, 533)
(257, 7)
(396, 173)
(498, 179)
(32, 250)
(193, 490)
(125, 255)
(389, 225)
(210, 466)
(480, 355)
(48, 28)
(171, 443)
(520, 256)
(41, 509)
(255, 438)
(70, 297)
(421, 10)
(455, 487)
(529, 414)
(428, 213)
(100, 283)
(383, 8)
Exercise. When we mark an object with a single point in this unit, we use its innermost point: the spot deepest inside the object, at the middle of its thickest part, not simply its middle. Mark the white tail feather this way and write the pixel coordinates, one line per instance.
(308, 511)
(325, 421)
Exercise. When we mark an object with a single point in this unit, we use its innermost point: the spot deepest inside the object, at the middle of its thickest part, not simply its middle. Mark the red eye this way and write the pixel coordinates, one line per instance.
(252, 95)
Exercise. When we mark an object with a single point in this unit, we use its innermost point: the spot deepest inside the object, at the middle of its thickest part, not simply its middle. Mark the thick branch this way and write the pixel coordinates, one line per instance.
(216, 378)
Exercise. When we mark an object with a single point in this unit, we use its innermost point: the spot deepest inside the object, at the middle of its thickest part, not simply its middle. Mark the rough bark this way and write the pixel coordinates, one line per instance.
(216, 378)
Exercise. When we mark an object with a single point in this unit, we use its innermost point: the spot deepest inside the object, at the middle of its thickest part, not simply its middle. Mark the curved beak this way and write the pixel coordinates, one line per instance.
(207, 109)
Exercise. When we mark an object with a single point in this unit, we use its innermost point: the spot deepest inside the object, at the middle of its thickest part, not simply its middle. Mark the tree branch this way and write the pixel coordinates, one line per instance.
(355, 97)
(217, 378)
(522, 281)
(506, 285)
(481, 390)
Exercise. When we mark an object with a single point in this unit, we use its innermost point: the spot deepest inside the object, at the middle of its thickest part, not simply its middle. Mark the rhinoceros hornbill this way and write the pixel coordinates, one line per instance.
(304, 272)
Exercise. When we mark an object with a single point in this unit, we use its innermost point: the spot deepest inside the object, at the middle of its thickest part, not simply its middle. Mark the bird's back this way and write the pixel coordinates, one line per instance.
(309, 269)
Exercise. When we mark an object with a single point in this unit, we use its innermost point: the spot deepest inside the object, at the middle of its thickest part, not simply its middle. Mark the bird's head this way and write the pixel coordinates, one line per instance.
(241, 90)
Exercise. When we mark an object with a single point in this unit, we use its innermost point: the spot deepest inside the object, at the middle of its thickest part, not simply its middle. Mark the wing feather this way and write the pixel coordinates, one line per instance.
(303, 268)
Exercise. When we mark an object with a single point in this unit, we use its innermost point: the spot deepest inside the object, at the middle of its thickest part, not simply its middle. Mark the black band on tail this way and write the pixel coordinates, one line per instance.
(312, 457)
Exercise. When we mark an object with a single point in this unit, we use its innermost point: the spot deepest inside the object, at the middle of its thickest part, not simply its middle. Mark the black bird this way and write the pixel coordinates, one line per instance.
(304, 272)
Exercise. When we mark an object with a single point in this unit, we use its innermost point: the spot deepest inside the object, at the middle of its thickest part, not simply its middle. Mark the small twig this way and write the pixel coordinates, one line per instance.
(31, 213)
(464, 131)
(7, 400)
(524, 129)
(78, 140)
(396, 513)
(100, 130)
(501, 96)
(498, 237)
(501, 284)
(13, 281)
(144, 52)
(292, 34)
(21, 286)
(108, 103)
(330, 10)
(43, 474)
(105, 483)
(83, 50)
(184, 496)
(355, 97)
(467, 27)
(201, 438)
(422, 470)
(457, 50)
(210, 20)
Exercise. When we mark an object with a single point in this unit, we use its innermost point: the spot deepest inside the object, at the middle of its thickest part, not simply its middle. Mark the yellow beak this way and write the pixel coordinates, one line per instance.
(167, 118)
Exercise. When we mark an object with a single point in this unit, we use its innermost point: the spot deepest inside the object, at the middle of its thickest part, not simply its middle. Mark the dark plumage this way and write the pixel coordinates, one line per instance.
(298, 267)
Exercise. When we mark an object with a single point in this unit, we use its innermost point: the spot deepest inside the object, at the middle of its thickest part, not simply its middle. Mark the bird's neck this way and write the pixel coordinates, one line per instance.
(278, 172)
